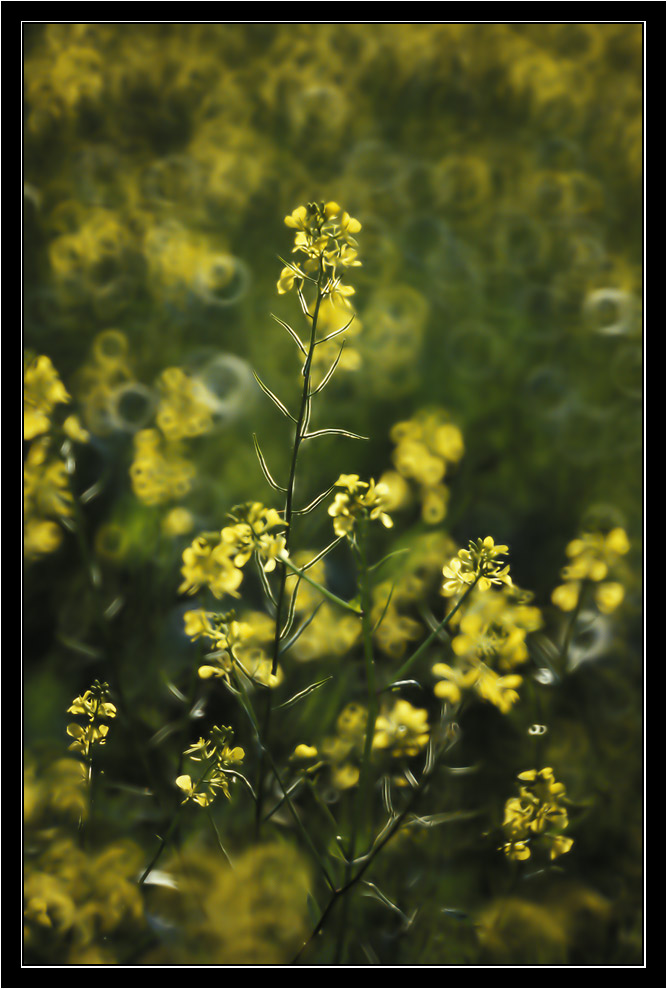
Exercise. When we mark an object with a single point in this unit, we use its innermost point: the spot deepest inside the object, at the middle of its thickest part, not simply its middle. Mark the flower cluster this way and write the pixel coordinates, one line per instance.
(338, 753)
(46, 491)
(185, 406)
(592, 555)
(216, 560)
(236, 643)
(79, 907)
(324, 234)
(402, 731)
(358, 499)
(537, 814)
(220, 758)
(495, 627)
(95, 706)
(42, 391)
(159, 471)
(425, 446)
(489, 641)
(478, 565)
(474, 674)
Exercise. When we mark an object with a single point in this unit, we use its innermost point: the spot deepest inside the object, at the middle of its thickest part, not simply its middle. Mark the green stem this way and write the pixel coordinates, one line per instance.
(323, 590)
(337, 894)
(217, 835)
(360, 810)
(409, 663)
(300, 429)
(567, 642)
(247, 704)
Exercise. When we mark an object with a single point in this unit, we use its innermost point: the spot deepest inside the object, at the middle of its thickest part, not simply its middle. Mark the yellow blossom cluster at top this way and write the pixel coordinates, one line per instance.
(324, 234)
(358, 499)
(592, 555)
(95, 706)
(478, 565)
(537, 815)
(220, 758)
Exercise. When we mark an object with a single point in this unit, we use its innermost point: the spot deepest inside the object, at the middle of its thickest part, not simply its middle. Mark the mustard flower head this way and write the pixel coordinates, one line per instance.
(479, 565)
(495, 627)
(357, 500)
(325, 236)
(208, 562)
(46, 495)
(237, 644)
(159, 472)
(95, 706)
(221, 758)
(254, 531)
(403, 731)
(592, 556)
(473, 674)
(42, 391)
(537, 815)
(425, 446)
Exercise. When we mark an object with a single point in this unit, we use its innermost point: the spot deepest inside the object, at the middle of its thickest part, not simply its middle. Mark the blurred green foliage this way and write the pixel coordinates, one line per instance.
(496, 170)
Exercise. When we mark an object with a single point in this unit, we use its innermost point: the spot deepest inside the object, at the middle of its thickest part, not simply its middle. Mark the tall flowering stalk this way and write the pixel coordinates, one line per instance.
(390, 745)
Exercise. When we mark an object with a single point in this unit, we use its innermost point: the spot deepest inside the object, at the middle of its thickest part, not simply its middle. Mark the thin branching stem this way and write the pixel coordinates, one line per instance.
(299, 431)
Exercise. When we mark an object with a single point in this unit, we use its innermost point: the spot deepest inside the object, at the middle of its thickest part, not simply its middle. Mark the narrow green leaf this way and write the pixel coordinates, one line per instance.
(323, 590)
(334, 432)
(294, 335)
(327, 377)
(314, 503)
(234, 773)
(301, 694)
(386, 795)
(302, 628)
(372, 890)
(291, 611)
(266, 587)
(296, 269)
(384, 610)
(324, 552)
(274, 398)
(396, 552)
(335, 333)
(433, 820)
(265, 469)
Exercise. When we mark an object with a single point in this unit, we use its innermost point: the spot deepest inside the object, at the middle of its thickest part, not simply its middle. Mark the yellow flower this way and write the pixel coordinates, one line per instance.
(404, 730)
(360, 499)
(476, 565)
(42, 391)
(209, 565)
(453, 682)
(566, 596)
(608, 596)
(75, 430)
(286, 281)
(537, 814)
(349, 226)
(517, 851)
(498, 690)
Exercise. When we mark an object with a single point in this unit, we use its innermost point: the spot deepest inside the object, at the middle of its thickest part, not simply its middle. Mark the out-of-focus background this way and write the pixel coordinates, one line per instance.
(496, 170)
